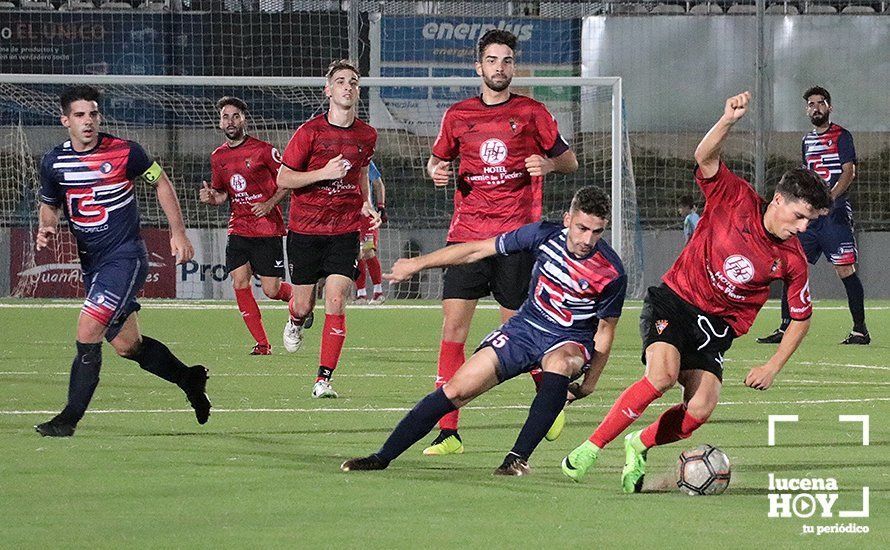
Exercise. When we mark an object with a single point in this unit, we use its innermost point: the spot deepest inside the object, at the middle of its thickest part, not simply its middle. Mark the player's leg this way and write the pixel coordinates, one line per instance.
(361, 292)
(333, 336)
(701, 392)
(267, 261)
(155, 357)
(475, 377)
(559, 365)
(250, 311)
(374, 270)
(856, 302)
(305, 255)
(839, 243)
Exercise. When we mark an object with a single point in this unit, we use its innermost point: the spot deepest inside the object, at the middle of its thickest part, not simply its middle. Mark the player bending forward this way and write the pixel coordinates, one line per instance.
(709, 297)
(566, 324)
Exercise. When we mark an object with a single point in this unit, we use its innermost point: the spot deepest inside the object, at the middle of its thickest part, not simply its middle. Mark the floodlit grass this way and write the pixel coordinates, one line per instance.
(264, 471)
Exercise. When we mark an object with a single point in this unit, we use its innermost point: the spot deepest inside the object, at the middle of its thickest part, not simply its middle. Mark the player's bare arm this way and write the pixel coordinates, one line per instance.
(761, 378)
(379, 190)
(565, 163)
(603, 339)
(848, 174)
(209, 195)
(49, 222)
(180, 246)
(261, 209)
(439, 171)
(707, 154)
(368, 209)
(463, 253)
(335, 169)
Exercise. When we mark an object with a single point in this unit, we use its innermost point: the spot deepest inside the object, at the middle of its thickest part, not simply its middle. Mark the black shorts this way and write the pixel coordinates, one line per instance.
(702, 339)
(312, 257)
(264, 254)
(505, 277)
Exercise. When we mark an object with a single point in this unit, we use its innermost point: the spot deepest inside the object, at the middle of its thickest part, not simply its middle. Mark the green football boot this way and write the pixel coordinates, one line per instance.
(576, 464)
(634, 463)
(445, 445)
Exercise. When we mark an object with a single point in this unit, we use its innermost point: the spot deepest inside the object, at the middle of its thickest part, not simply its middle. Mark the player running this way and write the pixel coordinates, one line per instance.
(92, 177)
(709, 297)
(507, 143)
(326, 166)
(244, 170)
(566, 324)
(828, 150)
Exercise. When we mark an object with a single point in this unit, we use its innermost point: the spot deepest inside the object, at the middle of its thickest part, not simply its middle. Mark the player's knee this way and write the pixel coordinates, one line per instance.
(844, 271)
(456, 394)
(701, 409)
(271, 291)
(127, 349)
(662, 381)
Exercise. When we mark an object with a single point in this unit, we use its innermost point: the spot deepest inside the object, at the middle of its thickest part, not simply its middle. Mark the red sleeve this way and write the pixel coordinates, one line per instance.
(798, 284)
(548, 133)
(296, 154)
(446, 147)
(724, 183)
(272, 159)
(216, 179)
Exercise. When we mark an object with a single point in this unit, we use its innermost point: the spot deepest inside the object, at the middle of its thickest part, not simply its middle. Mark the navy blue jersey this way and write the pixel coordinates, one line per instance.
(826, 153)
(566, 294)
(95, 189)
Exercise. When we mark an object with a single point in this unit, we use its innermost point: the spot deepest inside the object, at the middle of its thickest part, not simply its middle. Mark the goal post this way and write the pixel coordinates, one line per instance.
(174, 118)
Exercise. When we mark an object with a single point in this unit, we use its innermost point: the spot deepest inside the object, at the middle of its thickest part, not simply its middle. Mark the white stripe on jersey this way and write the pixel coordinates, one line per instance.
(89, 175)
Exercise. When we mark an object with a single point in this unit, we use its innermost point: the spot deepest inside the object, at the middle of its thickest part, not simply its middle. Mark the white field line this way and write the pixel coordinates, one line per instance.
(197, 305)
(405, 409)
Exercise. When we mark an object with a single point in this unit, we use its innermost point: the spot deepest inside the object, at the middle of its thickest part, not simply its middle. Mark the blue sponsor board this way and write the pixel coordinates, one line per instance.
(444, 40)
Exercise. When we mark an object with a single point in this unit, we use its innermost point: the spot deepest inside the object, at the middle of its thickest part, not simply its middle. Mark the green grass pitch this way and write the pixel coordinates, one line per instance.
(264, 471)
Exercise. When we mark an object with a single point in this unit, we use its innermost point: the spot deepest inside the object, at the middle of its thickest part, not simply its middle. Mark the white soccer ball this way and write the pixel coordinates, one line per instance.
(704, 470)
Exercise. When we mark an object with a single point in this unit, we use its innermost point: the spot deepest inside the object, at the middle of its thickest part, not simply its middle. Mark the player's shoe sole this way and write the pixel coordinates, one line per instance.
(581, 459)
(513, 466)
(634, 471)
(857, 339)
(450, 445)
(556, 429)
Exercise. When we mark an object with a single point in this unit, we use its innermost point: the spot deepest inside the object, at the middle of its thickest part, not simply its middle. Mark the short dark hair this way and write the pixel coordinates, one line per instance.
(686, 200)
(339, 65)
(817, 90)
(235, 102)
(495, 36)
(805, 185)
(75, 93)
(592, 201)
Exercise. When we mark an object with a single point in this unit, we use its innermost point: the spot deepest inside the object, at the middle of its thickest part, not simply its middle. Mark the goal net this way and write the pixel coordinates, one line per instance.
(175, 120)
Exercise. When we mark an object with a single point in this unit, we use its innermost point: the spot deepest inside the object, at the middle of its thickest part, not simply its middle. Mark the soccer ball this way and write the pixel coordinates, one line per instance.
(704, 470)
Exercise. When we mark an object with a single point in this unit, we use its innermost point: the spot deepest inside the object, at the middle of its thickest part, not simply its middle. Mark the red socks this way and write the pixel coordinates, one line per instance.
(285, 291)
(360, 280)
(627, 408)
(332, 337)
(537, 375)
(250, 312)
(374, 270)
(451, 357)
(674, 424)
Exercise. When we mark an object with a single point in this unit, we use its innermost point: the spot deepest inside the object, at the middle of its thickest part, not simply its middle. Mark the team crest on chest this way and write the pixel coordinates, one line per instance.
(238, 183)
(106, 167)
(493, 152)
(660, 325)
(777, 263)
(738, 269)
(513, 125)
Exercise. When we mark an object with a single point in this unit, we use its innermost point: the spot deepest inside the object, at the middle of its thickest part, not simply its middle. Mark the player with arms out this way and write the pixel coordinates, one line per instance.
(709, 297)
(507, 143)
(325, 165)
(244, 170)
(566, 324)
(368, 261)
(828, 150)
(92, 178)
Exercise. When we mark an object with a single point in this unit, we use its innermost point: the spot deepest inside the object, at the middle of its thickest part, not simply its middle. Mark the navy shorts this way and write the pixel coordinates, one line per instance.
(521, 346)
(701, 338)
(831, 236)
(111, 291)
(506, 278)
